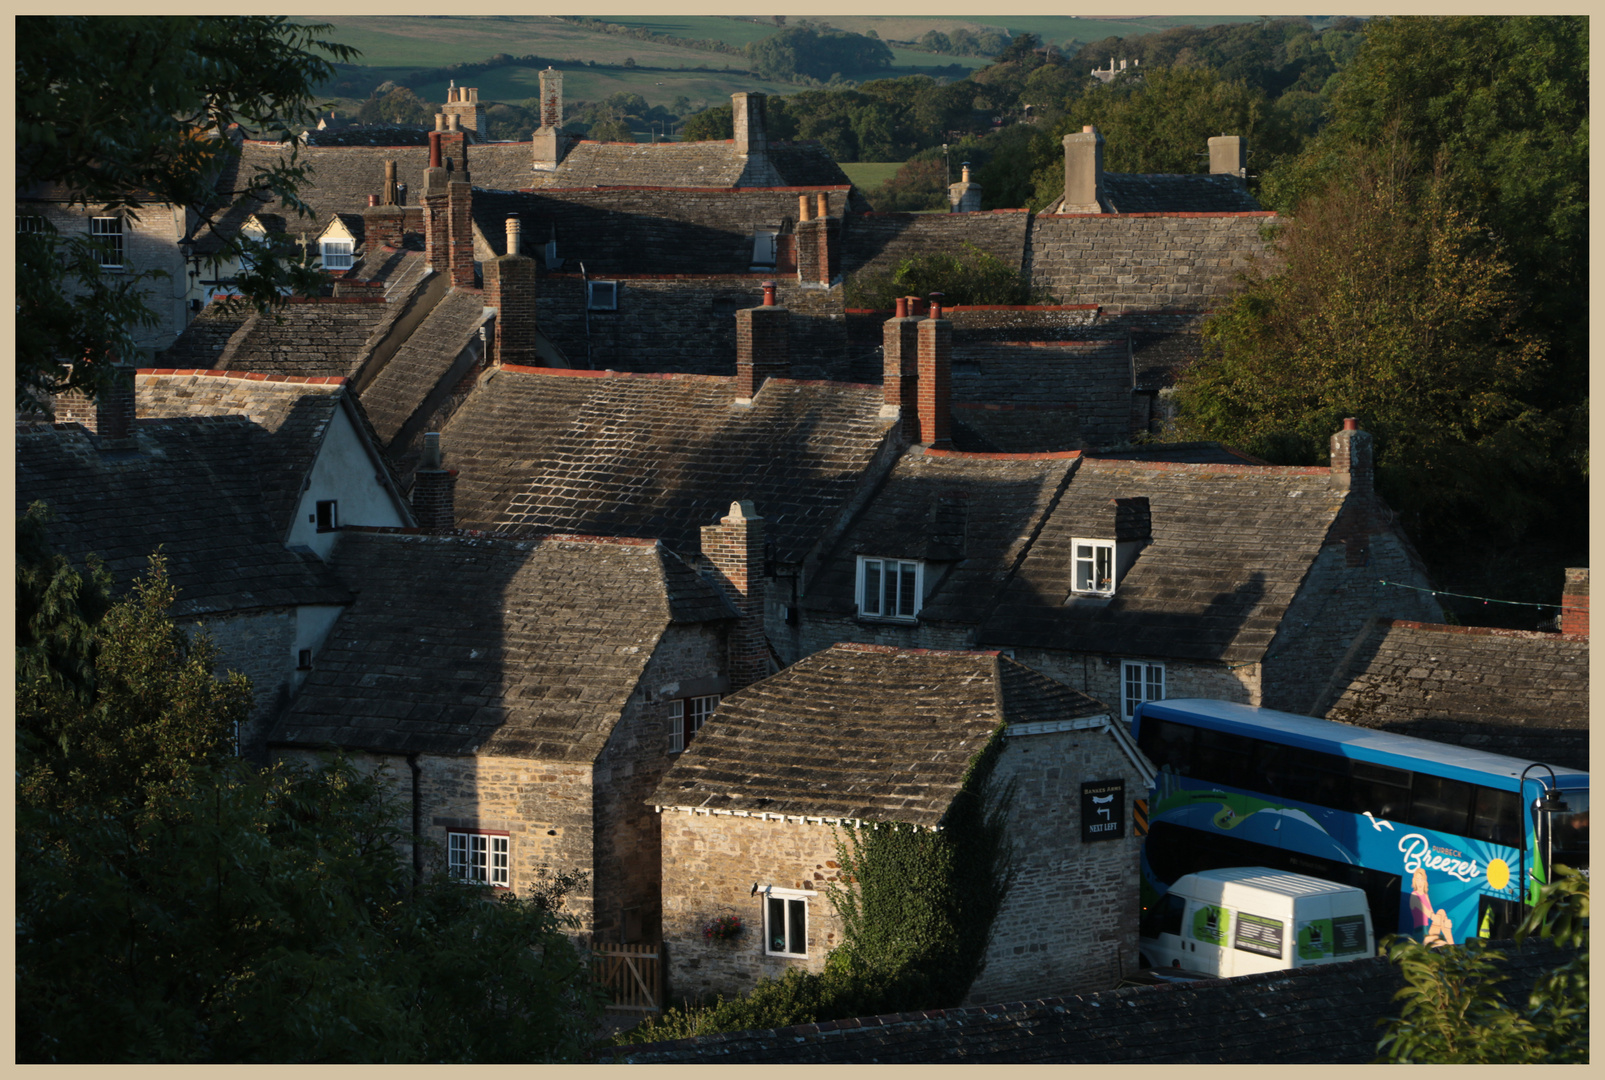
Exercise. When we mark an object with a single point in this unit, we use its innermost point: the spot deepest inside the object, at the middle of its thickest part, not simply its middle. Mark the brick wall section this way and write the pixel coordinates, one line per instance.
(1069, 924)
(1143, 261)
(460, 231)
(733, 555)
(935, 390)
(511, 289)
(813, 252)
(710, 863)
(1574, 601)
(763, 347)
(1087, 385)
(454, 155)
(384, 226)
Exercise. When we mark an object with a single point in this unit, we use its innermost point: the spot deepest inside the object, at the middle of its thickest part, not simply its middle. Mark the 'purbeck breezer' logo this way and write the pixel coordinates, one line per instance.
(1418, 852)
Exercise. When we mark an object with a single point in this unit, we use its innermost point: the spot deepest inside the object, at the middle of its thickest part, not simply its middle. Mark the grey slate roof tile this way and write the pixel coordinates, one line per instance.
(308, 338)
(457, 645)
(422, 361)
(1136, 193)
(862, 732)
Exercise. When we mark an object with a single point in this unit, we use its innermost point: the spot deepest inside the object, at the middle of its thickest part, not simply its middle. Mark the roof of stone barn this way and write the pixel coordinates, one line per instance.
(1515, 692)
(1230, 547)
(460, 645)
(308, 337)
(196, 488)
(1277, 1017)
(861, 732)
(641, 230)
(710, 163)
(543, 450)
(975, 512)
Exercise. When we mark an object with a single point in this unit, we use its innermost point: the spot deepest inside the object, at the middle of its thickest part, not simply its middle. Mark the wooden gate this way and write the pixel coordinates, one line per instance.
(632, 974)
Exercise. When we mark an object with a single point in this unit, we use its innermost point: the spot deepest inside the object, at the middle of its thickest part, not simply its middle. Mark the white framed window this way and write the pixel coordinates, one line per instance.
(337, 254)
(1140, 681)
(480, 857)
(602, 295)
(890, 588)
(686, 717)
(763, 248)
(1094, 566)
(109, 232)
(785, 921)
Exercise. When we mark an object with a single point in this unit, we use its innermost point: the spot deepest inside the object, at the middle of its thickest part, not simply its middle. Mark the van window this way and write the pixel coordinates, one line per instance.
(1164, 917)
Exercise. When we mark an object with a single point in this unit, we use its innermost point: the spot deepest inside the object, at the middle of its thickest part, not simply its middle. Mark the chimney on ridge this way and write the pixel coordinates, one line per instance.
(733, 553)
(747, 117)
(510, 288)
(763, 345)
(550, 144)
(935, 377)
(1083, 172)
(964, 197)
(1228, 154)
(900, 376)
(818, 241)
(434, 489)
(1351, 458)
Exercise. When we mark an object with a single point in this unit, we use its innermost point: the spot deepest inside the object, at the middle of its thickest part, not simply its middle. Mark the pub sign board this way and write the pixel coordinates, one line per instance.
(1103, 810)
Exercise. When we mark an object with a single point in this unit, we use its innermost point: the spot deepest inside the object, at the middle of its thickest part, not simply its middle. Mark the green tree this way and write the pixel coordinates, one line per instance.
(119, 113)
(715, 123)
(398, 106)
(817, 53)
(968, 276)
(1452, 1012)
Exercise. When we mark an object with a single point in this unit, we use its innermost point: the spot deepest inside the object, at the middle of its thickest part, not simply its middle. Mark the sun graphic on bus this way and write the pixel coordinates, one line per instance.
(1498, 874)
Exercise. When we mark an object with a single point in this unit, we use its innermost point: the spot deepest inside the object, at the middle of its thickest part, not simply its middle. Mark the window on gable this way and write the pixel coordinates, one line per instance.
(890, 588)
(337, 254)
(108, 231)
(785, 921)
(1094, 567)
(763, 248)
(1140, 681)
(479, 857)
(686, 717)
(602, 295)
(327, 515)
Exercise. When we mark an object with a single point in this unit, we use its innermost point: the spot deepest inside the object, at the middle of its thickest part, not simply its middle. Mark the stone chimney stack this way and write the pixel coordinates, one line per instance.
(900, 377)
(1083, 172)
(763, 345)
(747, 116)
(733, 553)
(1228, 154)
(965, 196)
(1352, 457)
(550, 144)
(1574, 601)
(510, 288)
(936, 377)
(818, 241)
(434, 489)
(464, 112)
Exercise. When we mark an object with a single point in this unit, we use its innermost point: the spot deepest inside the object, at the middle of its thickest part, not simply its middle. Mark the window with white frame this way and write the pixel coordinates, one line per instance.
(478, 856)
(1094, 567)
(108, 232)
(686, 717)
(1140, 681)
(785, 921)
(890, 588)
(337, 254)
(602, 295)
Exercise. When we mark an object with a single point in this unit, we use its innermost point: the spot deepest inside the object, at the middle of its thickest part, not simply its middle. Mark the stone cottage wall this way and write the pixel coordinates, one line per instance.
(261, 646)
(1099, 676)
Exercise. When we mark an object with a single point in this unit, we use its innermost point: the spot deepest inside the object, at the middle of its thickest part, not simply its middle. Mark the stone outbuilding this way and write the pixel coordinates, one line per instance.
(862, 734)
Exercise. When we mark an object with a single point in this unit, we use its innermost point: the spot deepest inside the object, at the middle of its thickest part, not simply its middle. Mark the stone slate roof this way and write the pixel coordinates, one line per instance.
(308, 338)
(711, 163)
(1172, 193)
(201, 342)
(1514, 692)
(976, 513)
(1311, 1015)
(463, 645)
(864, 732)
(541, 450)
(423, 360)
(197, 488)
(878, 242)
(1181, 453)
(1231, 546)
(292, 415)
(641, 230)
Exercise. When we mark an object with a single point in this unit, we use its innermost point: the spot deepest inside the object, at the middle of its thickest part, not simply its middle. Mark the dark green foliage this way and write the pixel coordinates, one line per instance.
(818, 53)
(398, 106)
(969, 276)
(715, 123)
(122, 113)
(57, 610)
(1452, 1011)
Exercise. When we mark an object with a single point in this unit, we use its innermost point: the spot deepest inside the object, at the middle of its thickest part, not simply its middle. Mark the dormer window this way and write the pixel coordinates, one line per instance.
(890, 588)
(1094, 567)
(763, 248)
(337, 254)
(602, 295)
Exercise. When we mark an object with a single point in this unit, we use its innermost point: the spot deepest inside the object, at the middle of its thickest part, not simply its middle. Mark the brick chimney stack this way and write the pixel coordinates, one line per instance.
(1574, 601)
(114, 410)
(733, 554)
(900, 376)
(1228, 154)
(510, 288)
(818, 241)
(935, 377)
(763, 345)
(437, 240)
(460, 234)
(1083, 172)
(434, 489)
(1352, 457)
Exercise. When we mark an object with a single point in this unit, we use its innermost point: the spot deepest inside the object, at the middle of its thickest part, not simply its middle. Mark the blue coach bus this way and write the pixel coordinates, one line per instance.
(1440, 837)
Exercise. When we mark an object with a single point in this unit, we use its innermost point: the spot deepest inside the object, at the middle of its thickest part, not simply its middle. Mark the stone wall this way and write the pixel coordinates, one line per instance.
(1099, 676)
(1143, 260)
(1069, 924)
(261, 646)
(710, 864)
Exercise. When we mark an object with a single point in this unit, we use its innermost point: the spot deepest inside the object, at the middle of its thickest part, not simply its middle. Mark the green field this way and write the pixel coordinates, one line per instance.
(869, 175)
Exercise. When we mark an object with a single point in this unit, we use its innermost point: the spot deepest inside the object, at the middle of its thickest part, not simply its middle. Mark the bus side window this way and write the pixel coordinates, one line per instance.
(1224, 759)
(1271, 765)
(1437, 802)
(1496, 817)
(1383, 791)
(1168, 745)
(1323, 778)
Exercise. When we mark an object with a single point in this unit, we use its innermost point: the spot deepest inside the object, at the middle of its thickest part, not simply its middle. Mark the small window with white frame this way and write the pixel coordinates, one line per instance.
(890, 588)
(1093, 567)
(602, 295)
(108, 233)
(481, 857)
(686, 717)
(337, 254)
(785, 921)
(1140, 681)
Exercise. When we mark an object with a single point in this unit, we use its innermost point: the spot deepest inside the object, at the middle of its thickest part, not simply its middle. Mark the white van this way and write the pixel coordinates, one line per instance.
(1249, 919)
